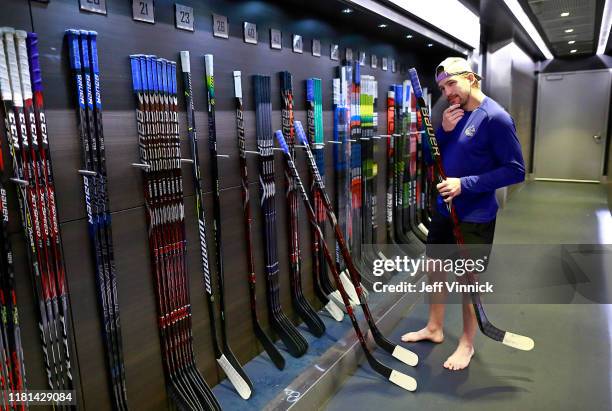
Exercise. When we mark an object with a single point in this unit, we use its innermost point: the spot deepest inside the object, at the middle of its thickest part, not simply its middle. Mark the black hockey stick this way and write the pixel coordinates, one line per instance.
(402, 380)
(397, 351)
(240, 379)
(263, 338)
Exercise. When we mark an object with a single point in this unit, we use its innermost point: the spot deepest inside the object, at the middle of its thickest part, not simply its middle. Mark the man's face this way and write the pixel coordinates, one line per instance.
(456, 89)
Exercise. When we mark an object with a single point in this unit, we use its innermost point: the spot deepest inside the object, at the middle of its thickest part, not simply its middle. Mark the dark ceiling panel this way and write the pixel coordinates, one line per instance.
(581, 26)
(499, 27)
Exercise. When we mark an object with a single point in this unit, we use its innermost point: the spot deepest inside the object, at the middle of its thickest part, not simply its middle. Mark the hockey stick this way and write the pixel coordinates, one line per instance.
(263, 338)
(396, 351)
(95, 205)
(396, 377)
(291, 337)
(214, 170)
(235, 378)
(15, 122)
(322, 286)
(300, 304)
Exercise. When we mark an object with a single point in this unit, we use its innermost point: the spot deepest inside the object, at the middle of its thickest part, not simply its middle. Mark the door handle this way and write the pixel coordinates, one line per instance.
(597, 139)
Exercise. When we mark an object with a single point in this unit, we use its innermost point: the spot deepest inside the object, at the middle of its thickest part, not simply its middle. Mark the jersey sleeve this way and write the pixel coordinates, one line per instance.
(506, 150)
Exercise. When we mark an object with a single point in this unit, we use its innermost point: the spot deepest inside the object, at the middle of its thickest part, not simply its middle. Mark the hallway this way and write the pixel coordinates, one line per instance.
(569, 369)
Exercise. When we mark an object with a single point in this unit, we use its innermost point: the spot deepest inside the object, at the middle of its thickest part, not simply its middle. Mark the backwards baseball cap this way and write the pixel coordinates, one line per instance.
(453, 66)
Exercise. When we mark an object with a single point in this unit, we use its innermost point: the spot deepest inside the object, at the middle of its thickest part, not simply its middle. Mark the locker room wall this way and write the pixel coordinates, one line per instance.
(508, 61)
(120, 36)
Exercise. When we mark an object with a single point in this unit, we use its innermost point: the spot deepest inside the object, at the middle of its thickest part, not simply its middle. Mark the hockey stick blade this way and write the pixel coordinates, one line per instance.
(405, 356)
(350, 288)
(403, 380)
(520, 342)
(237, 381)
(335, 311)
(270, 348)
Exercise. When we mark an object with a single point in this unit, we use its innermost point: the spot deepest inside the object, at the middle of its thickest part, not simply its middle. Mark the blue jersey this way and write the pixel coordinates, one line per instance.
(484, 152)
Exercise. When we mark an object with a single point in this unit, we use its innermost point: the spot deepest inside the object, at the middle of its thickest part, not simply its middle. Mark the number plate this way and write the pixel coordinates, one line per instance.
(298, 45)
(316, 47)
(362, 58)
(142, 10)
(334, 52)
(220, 26)
(384, 63)
(374, 61)
(349, 54)
(276, 39)
(184, 17)
(94, 6)
(250, 33)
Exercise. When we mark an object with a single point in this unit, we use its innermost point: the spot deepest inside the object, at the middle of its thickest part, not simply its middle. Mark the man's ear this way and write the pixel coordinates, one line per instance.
(471, 78)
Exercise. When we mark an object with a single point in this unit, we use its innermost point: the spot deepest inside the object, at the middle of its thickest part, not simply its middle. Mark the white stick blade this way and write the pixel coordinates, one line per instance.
(519, 342)
(349, 288)
(237, 381)
(405, 356)
(382, 256)
(403, 380)
(334, 311)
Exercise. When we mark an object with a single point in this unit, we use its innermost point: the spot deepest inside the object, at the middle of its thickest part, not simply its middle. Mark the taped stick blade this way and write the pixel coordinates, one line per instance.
(237, 381)
(403, 380)
(406, 356)
(350, 289)
(520, 342)
(335, 311)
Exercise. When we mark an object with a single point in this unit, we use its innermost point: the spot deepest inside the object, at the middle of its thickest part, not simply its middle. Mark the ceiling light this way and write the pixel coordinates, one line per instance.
(382, 26)
(429, 44)
(569, 30)
(521, 16)
(441, 14)
(573, 50)
(571, 42)
(604, 30)
(565, 14)
(347, 11)
(408, 36)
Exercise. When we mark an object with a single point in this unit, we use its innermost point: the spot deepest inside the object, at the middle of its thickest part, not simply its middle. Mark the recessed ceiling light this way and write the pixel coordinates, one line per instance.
(573, 50)
(429, 44)
(565, 14)
(408, 36)
(382, 26)
(571, 42)
(569, 30)
(347, 11)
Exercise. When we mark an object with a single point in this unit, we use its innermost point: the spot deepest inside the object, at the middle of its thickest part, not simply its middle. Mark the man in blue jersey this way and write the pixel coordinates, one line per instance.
(480, 153)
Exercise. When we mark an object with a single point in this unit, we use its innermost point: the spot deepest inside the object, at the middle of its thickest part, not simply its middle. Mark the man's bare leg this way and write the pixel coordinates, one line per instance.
(460, 359)
(433, 330)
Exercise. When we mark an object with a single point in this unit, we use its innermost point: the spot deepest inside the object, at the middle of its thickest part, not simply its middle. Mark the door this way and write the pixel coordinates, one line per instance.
(571, 125)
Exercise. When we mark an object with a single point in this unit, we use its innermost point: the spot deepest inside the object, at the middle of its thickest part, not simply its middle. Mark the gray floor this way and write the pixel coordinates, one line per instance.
(569, 369)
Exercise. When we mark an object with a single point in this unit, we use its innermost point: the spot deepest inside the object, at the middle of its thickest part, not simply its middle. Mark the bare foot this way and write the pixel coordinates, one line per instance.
(460, 359)
(425, 334)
